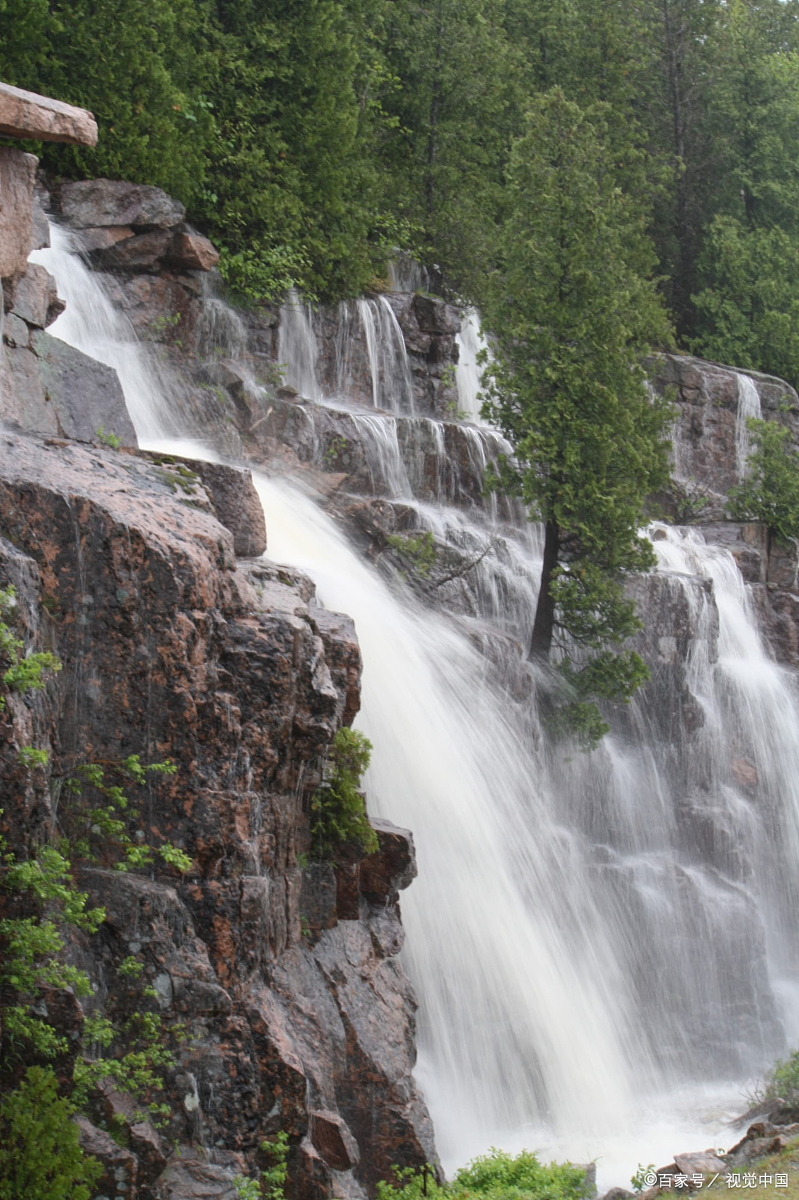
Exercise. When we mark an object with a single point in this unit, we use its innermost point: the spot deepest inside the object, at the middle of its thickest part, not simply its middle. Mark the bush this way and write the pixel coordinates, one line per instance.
(40, 1158)
(770, 492)
(782, 1080)
(497, 1175)
(338, 812)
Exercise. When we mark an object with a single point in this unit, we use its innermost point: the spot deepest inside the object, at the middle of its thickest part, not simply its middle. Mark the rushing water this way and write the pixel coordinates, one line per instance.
(603, 946)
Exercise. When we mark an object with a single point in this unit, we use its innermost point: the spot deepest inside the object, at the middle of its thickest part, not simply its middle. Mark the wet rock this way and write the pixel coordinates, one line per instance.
(36, 299)
(188, 1178)
(82, 394)
(192, 252)
(436, 316)
(392, 867)
(40, 227)
(783, 563)
(100, 202)
(748, 543)
(318, 898)
(618, 1193)
(699, 1163)
(119, 1165)
(102, 238)
(15, 332)
(706, 397)
(159, 631)
(28, 115)
(333, 1140)
(17, 179)
(237, 506)
(121, 1112)
(141, 252)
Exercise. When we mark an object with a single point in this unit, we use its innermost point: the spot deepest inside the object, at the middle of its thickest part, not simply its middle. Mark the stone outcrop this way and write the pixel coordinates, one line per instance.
(27, 115)
(170, 645)
(17, 180)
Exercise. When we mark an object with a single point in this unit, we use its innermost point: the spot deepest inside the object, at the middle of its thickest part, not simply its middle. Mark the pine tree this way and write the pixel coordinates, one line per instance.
(573, 312)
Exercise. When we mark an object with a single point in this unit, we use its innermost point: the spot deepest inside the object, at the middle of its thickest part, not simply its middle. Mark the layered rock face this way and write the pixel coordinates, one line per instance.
(298, 1016)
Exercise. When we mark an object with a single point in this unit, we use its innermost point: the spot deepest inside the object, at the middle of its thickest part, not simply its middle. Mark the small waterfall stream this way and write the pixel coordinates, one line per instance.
(603, 947)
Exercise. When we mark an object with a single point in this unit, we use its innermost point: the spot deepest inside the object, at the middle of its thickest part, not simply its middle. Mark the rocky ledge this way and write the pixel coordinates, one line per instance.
(297, 1013)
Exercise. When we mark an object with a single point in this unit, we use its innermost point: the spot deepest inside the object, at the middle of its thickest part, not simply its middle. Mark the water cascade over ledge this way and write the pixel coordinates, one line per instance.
(602, 947)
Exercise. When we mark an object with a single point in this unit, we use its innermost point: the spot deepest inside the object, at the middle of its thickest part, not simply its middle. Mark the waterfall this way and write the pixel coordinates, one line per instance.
(93, 324)
(392, 385)
(297, 348)
(470, 342)
(602, 946)
(748, 406)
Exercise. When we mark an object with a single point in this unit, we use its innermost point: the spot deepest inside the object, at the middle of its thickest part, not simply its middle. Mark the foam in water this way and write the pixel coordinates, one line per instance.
(591, 982)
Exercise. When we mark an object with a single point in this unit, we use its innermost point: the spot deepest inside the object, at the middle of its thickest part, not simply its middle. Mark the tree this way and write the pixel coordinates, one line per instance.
(747, 298)
(573, 312)
(770, 491)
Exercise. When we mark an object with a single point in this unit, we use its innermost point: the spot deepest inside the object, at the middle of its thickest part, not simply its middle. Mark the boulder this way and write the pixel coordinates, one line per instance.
(192, 252)
(119, 1165)
(141, 252)
(783, 562)
(84, 393)
(436, 316)
(28, 115)
(17, 179)
(102, 238)
(699, 1163)
(36, 299)
(192, 1179)
(393, 866)
(333, 1140)
(40, 227)
(99, 202)
(237, 506)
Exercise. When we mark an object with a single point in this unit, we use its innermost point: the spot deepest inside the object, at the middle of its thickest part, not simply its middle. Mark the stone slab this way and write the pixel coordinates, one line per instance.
(97, 202)
(17, 179)
(28, 115)
(86, 393)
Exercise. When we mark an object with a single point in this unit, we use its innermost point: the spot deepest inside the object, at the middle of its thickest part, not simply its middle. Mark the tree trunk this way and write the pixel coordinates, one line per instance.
(544, 623)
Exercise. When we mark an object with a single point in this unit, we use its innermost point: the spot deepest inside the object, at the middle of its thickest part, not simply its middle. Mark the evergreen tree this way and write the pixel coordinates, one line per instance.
(573, 312)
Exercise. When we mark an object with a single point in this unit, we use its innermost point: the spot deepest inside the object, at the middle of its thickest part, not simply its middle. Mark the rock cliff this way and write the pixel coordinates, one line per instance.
(140, 573)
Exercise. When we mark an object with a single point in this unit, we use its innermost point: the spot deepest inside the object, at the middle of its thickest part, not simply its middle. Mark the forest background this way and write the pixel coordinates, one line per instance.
(308, 137)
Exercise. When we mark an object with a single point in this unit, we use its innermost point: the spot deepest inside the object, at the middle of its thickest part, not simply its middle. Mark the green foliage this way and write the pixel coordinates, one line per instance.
(574, 310)
(417, 550)
(338, 812)
(24, 672)
(770, 491)
(40, 1158)
(273, 1177)
(497, 1175)
(782, 1080)
(639, 1179)
(108, 439)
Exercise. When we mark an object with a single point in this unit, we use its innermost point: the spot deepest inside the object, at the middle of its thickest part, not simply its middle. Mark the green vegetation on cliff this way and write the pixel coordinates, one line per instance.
(575, 313)
(308, 137)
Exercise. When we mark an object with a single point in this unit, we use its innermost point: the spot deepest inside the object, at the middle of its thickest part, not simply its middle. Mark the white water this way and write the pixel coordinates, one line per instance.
(470, 342)
(748, 406)
(575, 956)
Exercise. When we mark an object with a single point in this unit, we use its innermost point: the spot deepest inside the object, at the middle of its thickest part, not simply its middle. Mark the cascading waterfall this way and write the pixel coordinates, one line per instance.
(590, 939)
(470, 342)
(297, 349)
(94, 325)
(748, 406)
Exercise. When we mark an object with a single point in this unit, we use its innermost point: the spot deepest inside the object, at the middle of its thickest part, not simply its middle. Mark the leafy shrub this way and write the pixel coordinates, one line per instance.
(783, 1080)
(497, 1175)
(338, 812)
(40, 1158)
(770, 492)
